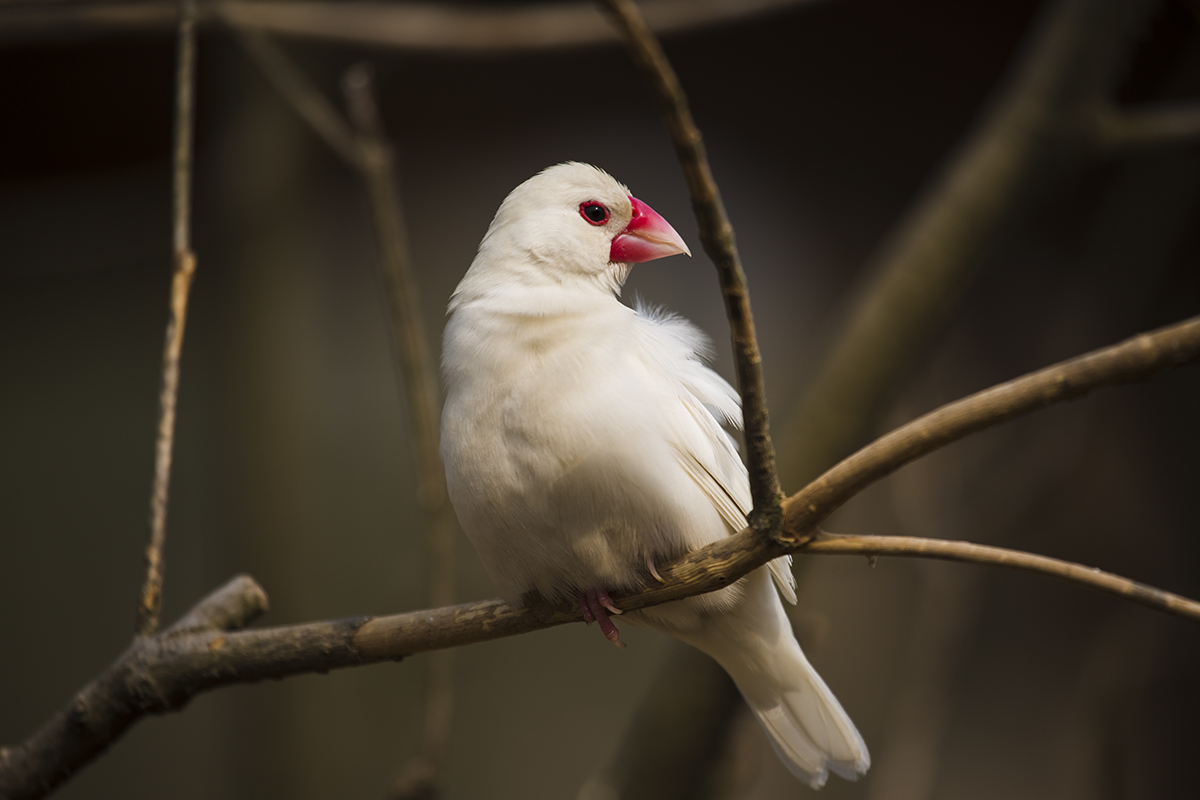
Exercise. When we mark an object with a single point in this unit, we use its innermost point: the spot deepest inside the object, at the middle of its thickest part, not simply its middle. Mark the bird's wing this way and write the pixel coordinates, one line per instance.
(704, 450)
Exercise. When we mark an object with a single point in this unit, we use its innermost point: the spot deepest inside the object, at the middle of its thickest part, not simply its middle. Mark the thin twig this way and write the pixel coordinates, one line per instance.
(1044, 126)
(716, 234)
(161, 673)
(409, 25)
(150, 607)
(835, 544)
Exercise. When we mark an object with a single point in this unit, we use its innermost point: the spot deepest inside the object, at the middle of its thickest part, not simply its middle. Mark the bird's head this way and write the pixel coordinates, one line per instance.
(574, 220)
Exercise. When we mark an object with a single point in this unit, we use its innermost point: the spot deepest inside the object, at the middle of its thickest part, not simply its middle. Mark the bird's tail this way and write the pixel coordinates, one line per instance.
(806, 724)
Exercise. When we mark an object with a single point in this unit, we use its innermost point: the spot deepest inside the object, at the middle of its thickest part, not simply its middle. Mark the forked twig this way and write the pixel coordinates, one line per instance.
(182, 664)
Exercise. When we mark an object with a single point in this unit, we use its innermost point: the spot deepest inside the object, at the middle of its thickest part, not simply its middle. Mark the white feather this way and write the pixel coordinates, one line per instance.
(579, 438)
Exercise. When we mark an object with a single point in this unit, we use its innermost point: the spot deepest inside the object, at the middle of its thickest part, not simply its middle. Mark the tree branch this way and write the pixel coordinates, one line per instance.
(163, 672)
(157, 673)
(410, 25)
(716, 234)
(150, 606)
(967, 552)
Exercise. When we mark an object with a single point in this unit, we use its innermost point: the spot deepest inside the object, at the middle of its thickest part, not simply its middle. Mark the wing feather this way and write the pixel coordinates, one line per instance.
(705, 451)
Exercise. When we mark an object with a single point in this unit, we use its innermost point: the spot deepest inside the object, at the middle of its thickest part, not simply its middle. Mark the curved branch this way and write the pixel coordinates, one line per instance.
(410, 25)
(836, 544)
(163, 672)
(152, 676)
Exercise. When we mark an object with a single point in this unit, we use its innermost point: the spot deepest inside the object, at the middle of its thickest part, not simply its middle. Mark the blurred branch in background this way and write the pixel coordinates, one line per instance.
(944, 496)
(150, 606)
(415, 26)
(419, 378)
(161, 673)
(1055, 116)
(364, 146)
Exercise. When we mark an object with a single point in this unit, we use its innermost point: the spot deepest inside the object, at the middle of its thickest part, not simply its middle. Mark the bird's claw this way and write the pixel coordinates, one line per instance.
(653, 571)
(596, 606)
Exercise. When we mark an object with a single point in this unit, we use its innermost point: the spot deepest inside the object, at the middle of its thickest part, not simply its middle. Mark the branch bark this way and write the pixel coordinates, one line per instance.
(161, 673)
(157, 673)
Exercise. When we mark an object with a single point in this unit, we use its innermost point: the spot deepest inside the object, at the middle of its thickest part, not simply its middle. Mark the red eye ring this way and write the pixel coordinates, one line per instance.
(595, 213)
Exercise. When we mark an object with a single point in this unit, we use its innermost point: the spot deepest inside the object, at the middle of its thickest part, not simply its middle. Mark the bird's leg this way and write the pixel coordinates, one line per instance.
(595, 606)
(653, 571)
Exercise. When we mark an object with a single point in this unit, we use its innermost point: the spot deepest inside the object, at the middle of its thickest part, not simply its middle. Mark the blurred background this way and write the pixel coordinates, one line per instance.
(825, 122)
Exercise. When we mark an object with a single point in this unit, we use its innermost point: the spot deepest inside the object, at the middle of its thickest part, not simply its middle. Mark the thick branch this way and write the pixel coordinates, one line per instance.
(414, 26)
(716, 234)
(161, 673)
(150, 606)
(156, 674)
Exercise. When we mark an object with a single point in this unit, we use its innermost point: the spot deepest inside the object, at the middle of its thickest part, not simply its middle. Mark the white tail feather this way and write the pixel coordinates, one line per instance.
(807, 726)
(804, 721)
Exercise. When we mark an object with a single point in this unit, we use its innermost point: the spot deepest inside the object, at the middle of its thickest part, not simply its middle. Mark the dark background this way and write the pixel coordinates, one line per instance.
(293, 458)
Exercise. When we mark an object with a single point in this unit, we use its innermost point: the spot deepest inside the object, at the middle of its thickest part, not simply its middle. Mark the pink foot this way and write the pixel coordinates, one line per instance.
(596, 606)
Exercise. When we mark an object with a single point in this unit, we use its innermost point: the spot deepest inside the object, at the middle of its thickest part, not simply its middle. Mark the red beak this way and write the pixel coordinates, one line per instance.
(647, 236)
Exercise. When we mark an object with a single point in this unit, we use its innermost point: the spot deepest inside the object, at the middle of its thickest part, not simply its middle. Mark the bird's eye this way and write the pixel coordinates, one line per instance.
(593, 212)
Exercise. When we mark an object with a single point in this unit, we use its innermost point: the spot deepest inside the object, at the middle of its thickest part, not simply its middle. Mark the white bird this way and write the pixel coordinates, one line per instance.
(581, 447)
